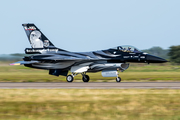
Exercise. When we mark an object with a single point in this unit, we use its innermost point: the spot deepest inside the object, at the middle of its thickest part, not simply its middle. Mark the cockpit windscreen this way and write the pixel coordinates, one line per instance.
(127, 48)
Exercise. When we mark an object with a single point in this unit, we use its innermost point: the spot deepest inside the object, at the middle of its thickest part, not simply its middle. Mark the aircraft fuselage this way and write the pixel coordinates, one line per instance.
(59, 61)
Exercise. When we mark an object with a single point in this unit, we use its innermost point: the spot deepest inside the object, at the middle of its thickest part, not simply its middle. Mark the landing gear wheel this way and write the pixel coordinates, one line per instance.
(69, 78)
(118, 79)
(85, 78)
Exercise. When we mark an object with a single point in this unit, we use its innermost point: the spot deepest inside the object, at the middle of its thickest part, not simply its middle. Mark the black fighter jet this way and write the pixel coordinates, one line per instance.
(59, 62)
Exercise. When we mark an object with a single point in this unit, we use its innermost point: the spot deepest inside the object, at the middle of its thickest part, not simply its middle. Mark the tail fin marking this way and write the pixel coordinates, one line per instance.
(36, 38)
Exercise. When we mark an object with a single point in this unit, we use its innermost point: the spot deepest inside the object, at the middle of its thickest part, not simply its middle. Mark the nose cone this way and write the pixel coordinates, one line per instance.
(155, 59)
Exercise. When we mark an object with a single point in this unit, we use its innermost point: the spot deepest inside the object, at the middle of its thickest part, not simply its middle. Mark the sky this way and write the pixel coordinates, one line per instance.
(88, 25)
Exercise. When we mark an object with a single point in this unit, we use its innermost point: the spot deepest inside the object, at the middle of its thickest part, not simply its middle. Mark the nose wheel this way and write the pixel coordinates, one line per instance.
(118, 79)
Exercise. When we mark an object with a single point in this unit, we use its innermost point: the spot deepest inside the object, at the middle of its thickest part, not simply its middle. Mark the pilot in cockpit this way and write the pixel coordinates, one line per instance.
(129, 48)
(124, 49)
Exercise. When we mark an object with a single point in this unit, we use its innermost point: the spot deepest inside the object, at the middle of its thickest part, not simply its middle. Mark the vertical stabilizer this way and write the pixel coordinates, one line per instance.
(36, 38)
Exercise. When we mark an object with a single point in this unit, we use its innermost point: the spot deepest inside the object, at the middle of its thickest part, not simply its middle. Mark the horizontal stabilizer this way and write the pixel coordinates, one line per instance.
(24, 62)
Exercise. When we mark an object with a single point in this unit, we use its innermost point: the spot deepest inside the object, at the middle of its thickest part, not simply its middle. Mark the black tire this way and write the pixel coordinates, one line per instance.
(69, 78)
(85, 78)
(118, 79)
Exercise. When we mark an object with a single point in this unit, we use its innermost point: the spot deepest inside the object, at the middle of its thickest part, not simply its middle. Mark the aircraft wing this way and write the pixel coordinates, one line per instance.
(24, 62)
(54, 58)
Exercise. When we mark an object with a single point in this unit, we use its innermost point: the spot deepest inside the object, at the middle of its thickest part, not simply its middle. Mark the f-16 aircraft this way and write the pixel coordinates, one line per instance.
(60, 62)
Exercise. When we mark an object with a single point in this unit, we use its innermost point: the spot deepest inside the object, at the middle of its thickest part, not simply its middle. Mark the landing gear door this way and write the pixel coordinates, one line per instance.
(79, 69)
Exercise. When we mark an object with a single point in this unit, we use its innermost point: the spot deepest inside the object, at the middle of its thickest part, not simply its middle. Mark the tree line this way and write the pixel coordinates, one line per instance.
(172, 54)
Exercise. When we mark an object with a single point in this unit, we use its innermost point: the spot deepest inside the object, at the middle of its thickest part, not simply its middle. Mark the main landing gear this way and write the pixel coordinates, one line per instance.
(70, 78)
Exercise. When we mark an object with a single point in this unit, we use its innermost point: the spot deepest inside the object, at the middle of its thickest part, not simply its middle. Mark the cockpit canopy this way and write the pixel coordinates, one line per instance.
(127, 48)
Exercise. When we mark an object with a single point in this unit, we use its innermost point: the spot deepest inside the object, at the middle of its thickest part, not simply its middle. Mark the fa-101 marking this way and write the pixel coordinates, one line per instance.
(59, 62)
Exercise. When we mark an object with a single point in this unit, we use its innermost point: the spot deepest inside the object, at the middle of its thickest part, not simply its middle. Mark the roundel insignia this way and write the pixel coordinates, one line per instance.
(46, 43)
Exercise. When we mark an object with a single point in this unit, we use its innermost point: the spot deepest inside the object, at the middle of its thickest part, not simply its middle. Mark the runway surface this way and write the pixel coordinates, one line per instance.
(95, 85)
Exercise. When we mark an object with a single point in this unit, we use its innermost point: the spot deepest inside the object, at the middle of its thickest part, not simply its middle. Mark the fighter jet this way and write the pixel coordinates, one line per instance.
(59, 62)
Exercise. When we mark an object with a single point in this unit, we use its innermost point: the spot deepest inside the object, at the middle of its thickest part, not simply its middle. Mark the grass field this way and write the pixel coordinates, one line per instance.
(136, 72)
(89, 104)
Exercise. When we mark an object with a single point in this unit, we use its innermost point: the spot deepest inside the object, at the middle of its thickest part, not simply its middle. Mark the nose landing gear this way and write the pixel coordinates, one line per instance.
(118, 79)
